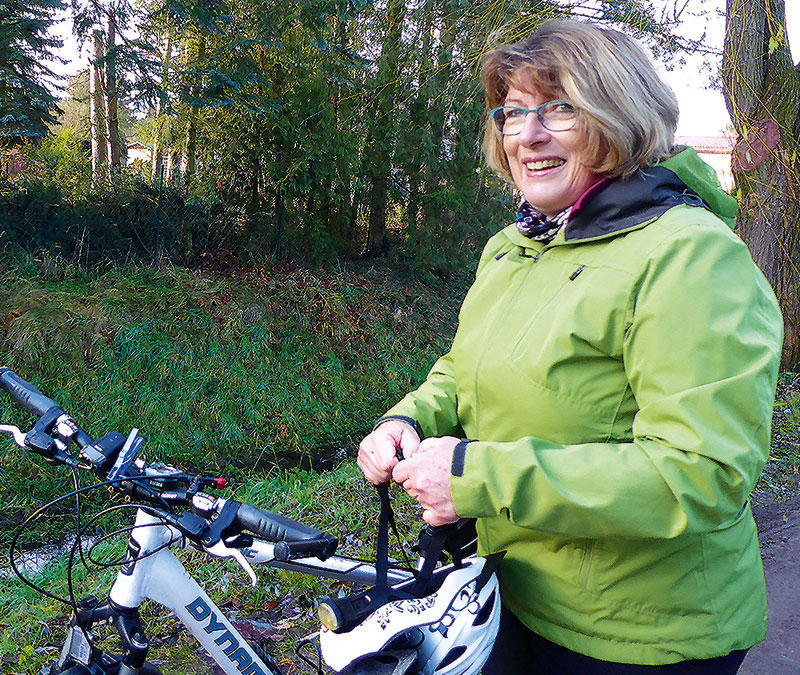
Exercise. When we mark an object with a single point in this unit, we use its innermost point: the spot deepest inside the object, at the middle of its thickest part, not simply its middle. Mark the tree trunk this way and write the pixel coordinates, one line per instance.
(417, 114)
(378, 198)
(338, 206)
(111, 96)
(761, 84)
(189, 163)
(436, 112)
(158, 138)
(96, 117)
(379, 152)
(172, 174)
(255, 180)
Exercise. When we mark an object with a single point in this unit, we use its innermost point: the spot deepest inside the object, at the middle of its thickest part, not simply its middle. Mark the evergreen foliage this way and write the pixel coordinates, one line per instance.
(322, 130)
(27, 105)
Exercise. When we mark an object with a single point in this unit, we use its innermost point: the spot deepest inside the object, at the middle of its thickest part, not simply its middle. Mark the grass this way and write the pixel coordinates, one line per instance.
(266, 376)
(781, 476)
(268, 368)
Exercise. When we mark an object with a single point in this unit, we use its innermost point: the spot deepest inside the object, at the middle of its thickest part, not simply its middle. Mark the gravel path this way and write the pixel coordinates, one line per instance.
(779, 533)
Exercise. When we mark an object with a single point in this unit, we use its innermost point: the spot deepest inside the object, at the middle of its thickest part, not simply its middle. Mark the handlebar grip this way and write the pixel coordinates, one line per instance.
(275, 527)
(317, 548)
(25, 393)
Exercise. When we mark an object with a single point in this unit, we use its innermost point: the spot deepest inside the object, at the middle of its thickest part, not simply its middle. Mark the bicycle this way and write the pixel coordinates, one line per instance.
(177, 510)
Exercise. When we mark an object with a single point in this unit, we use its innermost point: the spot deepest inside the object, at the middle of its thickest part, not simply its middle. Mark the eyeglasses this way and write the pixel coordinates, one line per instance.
(553, 116)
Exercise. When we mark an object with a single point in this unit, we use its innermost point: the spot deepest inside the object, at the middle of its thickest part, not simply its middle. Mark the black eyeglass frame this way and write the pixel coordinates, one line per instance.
(494, 113)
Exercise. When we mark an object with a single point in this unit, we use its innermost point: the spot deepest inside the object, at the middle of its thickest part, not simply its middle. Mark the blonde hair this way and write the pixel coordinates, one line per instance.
(627, 112)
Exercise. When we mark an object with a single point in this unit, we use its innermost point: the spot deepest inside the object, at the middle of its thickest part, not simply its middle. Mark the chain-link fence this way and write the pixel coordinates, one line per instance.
(50, 200)
(125, 217)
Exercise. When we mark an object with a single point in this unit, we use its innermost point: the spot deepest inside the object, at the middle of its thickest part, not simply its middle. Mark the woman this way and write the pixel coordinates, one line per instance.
(604, 411)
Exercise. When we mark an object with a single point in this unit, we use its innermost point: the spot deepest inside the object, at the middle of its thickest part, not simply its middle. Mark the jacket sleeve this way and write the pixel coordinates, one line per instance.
(434, 404)
(701, 352)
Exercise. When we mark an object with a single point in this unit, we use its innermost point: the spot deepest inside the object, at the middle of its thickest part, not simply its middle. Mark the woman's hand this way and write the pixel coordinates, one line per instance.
(425, 475)
(377, 453)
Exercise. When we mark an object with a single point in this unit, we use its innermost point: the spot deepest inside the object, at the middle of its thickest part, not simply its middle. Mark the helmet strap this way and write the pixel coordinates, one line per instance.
(385, 519)
(436, 538)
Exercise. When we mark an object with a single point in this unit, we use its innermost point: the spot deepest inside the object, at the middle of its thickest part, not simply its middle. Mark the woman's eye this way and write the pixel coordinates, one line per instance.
(514, 113)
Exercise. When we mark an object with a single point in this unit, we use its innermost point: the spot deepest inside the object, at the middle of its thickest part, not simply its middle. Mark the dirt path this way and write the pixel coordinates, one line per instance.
(779, 533)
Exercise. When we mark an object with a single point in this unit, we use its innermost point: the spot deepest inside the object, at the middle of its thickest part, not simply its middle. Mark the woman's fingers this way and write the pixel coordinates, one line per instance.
(377, 453)
(425, 476)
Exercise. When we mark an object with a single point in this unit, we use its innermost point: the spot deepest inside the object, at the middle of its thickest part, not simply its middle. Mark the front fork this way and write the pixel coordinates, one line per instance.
(151, 571)
(79, 647)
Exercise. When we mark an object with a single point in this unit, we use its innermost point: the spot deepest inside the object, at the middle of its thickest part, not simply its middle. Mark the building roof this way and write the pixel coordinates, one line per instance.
(715, 145)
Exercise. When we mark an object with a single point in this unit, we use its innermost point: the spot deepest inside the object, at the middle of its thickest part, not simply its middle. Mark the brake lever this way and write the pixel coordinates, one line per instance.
(19, 436)
(220, 550)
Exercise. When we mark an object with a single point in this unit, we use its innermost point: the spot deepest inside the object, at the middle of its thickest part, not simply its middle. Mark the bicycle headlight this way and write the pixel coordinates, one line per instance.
(342, 614)
(329, 615)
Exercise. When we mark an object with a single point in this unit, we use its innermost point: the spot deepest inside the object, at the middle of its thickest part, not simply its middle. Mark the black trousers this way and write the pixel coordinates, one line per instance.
(520, 651)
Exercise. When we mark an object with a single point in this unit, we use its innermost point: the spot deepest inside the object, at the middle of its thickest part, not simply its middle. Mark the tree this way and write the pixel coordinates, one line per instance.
(75, 110)
(115, 55)
(27, 101)
(159, 135)
(97, 112)
(378, 152)
(111, 95)
(762, 94)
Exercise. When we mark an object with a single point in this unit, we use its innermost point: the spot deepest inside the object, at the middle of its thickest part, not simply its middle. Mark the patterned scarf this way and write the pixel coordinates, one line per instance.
(535, 225)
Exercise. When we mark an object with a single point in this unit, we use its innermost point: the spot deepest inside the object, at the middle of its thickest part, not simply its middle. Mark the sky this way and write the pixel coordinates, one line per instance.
(702, 108)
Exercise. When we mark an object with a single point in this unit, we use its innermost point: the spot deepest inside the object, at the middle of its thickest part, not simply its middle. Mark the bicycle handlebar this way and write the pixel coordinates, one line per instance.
(293, 539)
(28, 396)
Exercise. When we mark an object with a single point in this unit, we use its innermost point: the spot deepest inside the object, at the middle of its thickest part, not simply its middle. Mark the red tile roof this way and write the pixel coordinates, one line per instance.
(716, 145)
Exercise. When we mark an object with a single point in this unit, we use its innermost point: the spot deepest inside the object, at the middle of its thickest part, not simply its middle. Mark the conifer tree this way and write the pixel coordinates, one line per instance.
(27, 85)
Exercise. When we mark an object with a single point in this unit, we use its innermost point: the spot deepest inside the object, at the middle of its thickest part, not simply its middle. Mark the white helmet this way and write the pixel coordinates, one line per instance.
(451, 630)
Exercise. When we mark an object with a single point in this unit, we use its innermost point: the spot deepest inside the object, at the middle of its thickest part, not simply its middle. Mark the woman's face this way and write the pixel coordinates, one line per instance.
(545, 165)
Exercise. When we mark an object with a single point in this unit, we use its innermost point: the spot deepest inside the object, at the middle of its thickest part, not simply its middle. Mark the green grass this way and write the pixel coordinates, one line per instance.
(781, 477)
(271, 368)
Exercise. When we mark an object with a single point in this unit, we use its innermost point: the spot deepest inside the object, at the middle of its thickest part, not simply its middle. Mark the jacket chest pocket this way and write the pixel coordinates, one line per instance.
(571, 344)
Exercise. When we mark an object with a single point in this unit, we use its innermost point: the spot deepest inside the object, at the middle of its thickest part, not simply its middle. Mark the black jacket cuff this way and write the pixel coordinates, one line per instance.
(401, 418)
(459, 455)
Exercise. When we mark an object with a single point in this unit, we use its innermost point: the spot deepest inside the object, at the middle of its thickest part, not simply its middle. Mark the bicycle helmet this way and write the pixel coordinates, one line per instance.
(449, 631)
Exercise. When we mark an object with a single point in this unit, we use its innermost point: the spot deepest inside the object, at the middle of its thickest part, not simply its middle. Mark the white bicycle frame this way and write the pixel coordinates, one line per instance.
(153, 572)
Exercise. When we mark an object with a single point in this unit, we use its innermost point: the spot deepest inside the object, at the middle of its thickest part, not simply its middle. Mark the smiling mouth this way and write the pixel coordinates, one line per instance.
(541, 164)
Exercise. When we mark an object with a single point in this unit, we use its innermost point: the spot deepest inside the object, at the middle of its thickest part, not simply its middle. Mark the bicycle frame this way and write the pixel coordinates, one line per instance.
(151, 571)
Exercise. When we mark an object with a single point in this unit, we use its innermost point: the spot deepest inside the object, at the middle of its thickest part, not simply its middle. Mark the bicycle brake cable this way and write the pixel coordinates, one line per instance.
(310, 640)
(38, 512)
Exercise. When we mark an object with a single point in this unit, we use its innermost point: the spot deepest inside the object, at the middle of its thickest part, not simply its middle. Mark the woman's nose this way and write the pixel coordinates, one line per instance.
(533, 131)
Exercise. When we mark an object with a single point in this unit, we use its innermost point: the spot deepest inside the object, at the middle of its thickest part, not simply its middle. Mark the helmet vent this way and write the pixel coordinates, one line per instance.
(486, 611)
(453, 655)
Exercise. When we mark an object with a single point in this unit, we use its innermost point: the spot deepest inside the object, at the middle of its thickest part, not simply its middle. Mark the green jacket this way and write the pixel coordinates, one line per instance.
(616, 387)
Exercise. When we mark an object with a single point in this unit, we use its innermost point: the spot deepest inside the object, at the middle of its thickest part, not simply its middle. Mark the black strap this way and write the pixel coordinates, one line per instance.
(437, 539)
(382, 547)
(433, 552)
(385, 521)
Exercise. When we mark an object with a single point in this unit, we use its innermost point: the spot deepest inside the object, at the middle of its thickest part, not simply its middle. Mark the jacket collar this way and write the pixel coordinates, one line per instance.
(628, 203)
